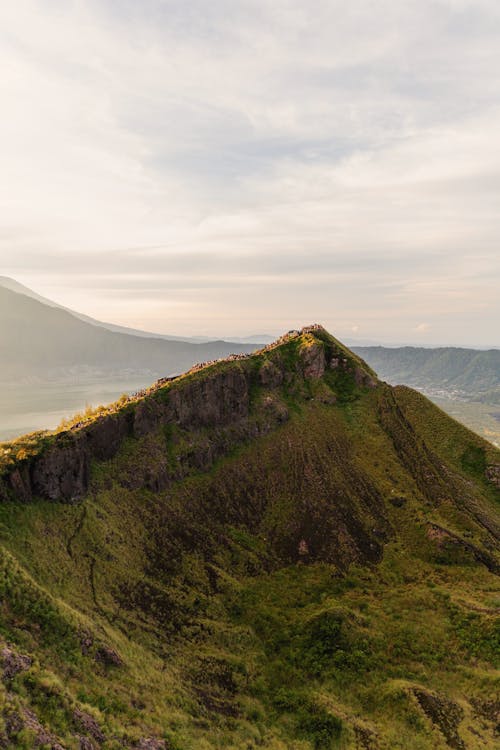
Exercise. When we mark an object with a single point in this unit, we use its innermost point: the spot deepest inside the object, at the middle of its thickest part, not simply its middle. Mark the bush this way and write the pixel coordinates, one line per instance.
(329, 642)
(321, 726)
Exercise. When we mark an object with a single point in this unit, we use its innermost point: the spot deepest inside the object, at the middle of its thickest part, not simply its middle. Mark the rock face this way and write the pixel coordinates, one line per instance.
(493, 475)
(61, 471)
(150, 744)
(444, 713)
(213, 398)
(13, 662)
(313, 360)
(85, 722)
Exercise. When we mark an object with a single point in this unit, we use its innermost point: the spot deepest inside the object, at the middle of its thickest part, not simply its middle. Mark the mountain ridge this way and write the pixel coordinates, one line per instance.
(467, 373)
(276, 551)
(15, 286)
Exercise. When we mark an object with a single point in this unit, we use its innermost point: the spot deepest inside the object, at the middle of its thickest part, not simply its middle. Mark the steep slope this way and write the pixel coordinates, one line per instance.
(275, 551)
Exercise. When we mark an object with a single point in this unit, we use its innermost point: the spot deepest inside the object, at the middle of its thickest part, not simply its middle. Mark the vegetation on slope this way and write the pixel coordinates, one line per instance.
(468, 373)
(275, 552)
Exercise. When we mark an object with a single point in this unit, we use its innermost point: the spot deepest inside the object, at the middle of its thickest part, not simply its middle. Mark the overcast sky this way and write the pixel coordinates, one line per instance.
(234, 166)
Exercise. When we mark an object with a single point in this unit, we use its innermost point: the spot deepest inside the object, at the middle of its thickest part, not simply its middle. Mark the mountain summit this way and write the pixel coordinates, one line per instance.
(274, 550)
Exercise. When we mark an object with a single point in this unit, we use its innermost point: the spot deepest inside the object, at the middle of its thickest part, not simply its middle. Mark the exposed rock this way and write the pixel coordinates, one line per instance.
(366, 737)
(88, 724)
(85, 743)
(489, 709)
(62, 471)
(19, 481)
(363, 378)
(444, 713)
(444, 536)
(327, 397)
(303, 548)
(13, 663)
(276, 408)
(151, 744)
(105, 436)
(213, 401)
(338, 362)
(42, 736)
(13, 723)
(148, 416)
(493, 474)
(108, 656)
(86, 642)
(313, 360)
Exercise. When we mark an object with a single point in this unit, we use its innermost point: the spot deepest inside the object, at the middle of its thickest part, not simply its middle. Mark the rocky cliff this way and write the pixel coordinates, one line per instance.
(214, 396)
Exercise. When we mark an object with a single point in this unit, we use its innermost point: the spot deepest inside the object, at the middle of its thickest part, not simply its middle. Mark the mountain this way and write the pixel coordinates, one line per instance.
(465, 373)
(53, 363)
(274, 551)
(38, 341)
(14, 286)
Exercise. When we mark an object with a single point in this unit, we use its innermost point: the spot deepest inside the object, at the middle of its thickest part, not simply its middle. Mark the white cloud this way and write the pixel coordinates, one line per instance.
(224, 161)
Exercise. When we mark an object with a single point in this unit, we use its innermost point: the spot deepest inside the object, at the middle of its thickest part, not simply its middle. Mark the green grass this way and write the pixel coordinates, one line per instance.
(278, 599)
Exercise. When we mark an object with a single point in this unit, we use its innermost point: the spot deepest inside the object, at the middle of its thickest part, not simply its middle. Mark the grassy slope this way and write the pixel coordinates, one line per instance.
(229, 637)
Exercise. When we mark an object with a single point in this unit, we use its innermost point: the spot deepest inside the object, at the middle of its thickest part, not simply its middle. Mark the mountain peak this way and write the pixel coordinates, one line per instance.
(277, 534)
(251, 392)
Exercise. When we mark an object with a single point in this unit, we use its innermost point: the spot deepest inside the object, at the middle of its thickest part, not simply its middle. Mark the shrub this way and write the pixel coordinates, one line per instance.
(321, 726)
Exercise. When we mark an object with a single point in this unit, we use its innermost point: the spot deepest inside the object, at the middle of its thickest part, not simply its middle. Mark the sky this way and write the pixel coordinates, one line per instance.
(232, 167)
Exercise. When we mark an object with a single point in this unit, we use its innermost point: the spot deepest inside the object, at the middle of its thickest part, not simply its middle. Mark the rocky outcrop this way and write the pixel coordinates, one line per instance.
(313, 360)
(16, 721)
(86, 723)
(445, 714)
(218, 397)
(62, 472)
(493, 475)
(108, 656)
(446, 538)
(150, 744)
(211, 401)
(13, 662)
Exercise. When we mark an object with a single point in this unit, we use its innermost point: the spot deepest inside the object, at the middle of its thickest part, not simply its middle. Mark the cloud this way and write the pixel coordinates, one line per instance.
(243, 158)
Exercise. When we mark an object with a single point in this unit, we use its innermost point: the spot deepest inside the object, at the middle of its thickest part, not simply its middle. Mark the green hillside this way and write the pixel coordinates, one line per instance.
(276, 551)
(467, 373)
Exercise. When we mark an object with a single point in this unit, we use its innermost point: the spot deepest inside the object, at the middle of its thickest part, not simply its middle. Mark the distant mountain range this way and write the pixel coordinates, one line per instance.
(15, 286)
(458, 373)
(39, 340)
(54, 361)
